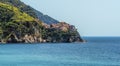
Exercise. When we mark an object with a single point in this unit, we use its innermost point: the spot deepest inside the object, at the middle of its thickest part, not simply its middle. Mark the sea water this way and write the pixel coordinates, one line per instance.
(97, 51)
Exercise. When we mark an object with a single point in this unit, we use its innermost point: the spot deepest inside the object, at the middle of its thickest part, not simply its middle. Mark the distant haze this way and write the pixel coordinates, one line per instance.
(91, 17)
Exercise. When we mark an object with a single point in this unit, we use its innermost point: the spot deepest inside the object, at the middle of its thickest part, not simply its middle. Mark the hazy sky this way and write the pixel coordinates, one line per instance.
(91, 17)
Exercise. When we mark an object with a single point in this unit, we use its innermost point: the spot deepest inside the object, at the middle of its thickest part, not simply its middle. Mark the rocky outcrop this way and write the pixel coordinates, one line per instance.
(17, 26)
(63, 26)
(57, 33)
(62, 32)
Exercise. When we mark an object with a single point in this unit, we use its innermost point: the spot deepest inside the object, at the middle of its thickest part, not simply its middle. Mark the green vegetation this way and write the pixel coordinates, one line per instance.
(30, 11)
(12, 13)
(12, 20)
(19, 24)
(21, 6)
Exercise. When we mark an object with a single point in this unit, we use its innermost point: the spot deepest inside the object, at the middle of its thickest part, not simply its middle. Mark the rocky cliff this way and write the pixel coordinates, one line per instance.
(19, 23)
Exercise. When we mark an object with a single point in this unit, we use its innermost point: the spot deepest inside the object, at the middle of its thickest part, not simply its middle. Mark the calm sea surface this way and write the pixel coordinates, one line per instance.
(98, 51)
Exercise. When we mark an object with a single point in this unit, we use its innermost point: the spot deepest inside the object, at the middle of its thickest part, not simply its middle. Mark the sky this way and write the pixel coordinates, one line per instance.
(91, 17)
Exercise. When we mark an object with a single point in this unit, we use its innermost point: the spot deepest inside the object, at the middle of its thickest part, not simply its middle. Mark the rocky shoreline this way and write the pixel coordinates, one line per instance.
(36, 38)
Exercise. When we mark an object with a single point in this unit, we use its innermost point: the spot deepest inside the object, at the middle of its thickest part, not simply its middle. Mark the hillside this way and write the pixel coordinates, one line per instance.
(31, 11)
(17, 26)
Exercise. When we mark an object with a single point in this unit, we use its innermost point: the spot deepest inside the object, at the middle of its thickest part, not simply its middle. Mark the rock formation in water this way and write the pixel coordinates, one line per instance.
(20, 23)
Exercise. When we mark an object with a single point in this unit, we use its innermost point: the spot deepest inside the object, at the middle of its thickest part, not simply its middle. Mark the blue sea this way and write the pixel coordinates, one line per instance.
(97, 51)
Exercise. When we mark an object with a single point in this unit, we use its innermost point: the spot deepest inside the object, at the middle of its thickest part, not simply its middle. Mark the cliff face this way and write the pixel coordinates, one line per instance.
(61, 32)
(21, 25)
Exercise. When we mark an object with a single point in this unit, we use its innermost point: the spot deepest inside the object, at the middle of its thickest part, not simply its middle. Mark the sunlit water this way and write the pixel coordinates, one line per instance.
(96, 52)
